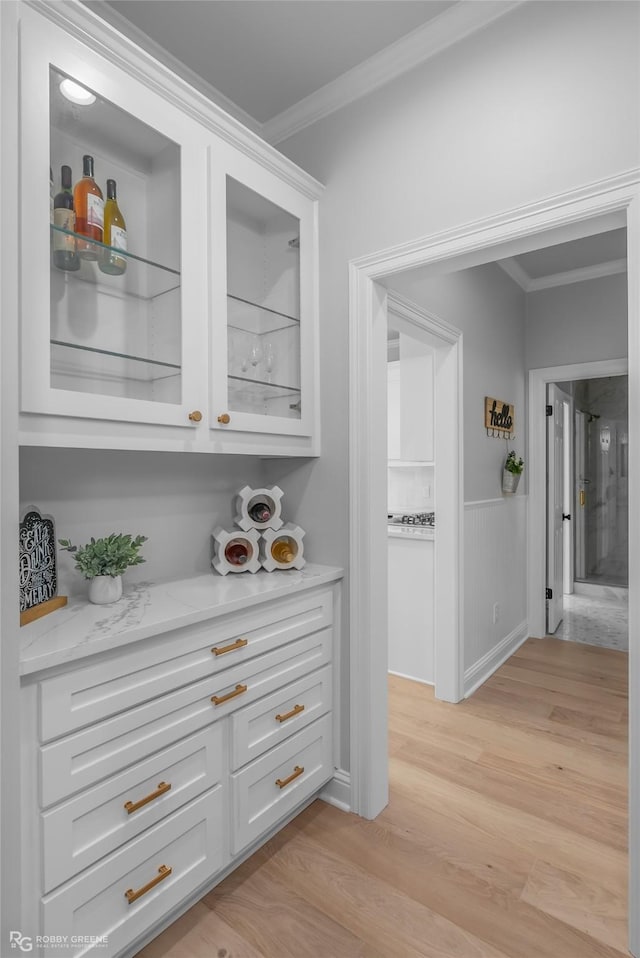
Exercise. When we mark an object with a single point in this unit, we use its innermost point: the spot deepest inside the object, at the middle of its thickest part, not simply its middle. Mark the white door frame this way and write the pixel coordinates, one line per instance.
(537, 504)
(612, 203)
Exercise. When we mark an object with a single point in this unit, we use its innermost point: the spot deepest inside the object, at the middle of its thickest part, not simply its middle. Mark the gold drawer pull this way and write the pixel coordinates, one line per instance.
(163, 872)
(219, 699)
(238, 644)
(160, 790)
(294, 711)
(281, 782)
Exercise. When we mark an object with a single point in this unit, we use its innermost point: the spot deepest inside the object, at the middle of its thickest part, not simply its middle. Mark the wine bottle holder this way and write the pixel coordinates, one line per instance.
(223, 544)
(272, 540)
(247, 498)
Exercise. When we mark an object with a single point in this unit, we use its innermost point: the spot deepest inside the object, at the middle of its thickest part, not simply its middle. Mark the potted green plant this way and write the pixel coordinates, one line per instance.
(512, 471)
(103, 561)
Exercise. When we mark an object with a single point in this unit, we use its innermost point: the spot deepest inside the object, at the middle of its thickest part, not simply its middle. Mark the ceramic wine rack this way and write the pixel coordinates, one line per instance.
(261, 539)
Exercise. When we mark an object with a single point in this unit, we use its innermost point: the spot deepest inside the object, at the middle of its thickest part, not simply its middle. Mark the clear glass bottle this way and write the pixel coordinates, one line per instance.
(88, 204)
(65, 255)
(284, 550)
(115, 234)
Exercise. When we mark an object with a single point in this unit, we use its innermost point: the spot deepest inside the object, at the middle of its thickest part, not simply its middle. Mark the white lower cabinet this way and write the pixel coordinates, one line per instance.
(131, 817)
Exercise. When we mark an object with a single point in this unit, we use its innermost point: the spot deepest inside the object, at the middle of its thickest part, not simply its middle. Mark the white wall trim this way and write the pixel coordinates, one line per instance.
(405, 54)
(581, 275)
(484, 503)
(480, 671)
(537, 455)
(338, 791)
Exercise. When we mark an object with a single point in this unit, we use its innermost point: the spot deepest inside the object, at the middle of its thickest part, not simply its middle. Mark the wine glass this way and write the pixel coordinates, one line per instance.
(256, 351)
(269, 359)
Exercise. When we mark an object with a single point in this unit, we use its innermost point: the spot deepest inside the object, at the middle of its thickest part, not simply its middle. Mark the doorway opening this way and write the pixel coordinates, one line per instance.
(591, 209)
(587, 510)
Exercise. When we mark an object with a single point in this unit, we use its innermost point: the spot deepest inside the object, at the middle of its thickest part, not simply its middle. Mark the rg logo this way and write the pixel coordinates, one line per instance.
(18, 940)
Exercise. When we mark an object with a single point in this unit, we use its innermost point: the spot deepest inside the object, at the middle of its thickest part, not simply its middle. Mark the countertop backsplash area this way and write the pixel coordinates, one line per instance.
(175, 500)
(410, 487)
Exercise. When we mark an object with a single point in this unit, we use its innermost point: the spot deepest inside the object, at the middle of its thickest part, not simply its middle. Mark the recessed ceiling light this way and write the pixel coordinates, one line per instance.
(76, 93)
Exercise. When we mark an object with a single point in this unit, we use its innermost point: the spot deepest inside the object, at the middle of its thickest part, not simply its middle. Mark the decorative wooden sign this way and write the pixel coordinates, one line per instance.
(38, 569)
(499, 418)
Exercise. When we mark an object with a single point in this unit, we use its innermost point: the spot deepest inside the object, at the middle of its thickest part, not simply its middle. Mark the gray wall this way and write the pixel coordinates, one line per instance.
(175, 499)
(539, 103)
(489, 309)
(579, 323)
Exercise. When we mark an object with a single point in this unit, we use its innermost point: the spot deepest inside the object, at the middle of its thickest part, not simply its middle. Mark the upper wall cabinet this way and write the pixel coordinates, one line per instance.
(169, 299)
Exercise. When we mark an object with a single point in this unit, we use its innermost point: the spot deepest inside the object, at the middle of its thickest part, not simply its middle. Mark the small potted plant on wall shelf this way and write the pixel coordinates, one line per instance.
(511, 473)
(103, 561)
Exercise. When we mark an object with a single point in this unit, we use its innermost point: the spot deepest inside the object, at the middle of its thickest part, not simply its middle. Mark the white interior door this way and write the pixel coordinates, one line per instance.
(555, 503)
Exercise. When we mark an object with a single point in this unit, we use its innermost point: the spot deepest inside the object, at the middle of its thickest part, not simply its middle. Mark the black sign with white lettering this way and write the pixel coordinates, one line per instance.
(38, 574)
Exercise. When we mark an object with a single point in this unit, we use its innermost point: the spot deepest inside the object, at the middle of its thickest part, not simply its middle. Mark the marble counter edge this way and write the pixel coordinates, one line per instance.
(80, 629)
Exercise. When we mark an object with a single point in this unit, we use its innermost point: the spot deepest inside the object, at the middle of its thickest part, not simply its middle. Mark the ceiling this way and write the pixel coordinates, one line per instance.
(280, 65)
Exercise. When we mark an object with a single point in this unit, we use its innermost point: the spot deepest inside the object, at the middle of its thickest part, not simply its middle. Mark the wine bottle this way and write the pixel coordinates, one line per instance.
(284, 550)
(65, 255)
(260, 511)
(236, 551)
(88, 204)
(115, 234)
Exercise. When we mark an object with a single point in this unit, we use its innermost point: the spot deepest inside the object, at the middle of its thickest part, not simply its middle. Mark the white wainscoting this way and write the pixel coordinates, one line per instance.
(495, 570)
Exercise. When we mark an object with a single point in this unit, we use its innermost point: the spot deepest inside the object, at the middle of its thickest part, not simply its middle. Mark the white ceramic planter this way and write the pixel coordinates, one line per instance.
(104, 589)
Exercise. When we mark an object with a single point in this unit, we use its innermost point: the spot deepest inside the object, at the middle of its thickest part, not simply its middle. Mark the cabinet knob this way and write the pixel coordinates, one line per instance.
(224, 418)
(195, 416)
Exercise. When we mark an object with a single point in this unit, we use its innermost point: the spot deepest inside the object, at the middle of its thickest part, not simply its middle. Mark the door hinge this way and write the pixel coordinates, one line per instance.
(549, 410)
(549, 593)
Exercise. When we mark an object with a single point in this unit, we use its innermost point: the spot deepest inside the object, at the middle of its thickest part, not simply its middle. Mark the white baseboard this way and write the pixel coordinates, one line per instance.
(338, 791)
(478, 673)
(412, 678)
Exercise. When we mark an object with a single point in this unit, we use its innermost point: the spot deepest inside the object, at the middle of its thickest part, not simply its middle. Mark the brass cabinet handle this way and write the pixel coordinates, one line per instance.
(163, 872)
(219, 699)
(195, 416)
(221, 649)
(224, 418)
(294, 711)
(298, 770)
(160, 790)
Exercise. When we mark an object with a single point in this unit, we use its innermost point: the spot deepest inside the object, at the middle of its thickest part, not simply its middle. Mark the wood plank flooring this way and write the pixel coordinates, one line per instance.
(505, 835)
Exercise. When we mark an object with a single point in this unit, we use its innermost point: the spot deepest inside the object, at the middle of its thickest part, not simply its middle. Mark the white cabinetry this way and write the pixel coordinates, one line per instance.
(149, 768)
(411, 597)
(206, 342)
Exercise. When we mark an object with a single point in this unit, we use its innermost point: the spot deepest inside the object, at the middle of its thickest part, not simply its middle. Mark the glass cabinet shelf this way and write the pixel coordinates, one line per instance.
(254, 318)
(75, 359)
(141, 279)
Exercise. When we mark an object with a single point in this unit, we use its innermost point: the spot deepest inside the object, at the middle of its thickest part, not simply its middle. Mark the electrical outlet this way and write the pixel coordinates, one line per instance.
(496, 612)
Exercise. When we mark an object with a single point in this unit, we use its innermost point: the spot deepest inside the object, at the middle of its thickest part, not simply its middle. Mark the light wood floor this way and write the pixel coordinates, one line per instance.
(505, 835)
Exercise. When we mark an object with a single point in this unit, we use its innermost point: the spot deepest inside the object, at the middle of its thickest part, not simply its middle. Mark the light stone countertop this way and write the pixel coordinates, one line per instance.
(398, 531)
(81, 629)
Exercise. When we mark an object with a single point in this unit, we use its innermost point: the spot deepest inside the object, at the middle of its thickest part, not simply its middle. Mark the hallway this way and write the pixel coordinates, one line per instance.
(505, 835)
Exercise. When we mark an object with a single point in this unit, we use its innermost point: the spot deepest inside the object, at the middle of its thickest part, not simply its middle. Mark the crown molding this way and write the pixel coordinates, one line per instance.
(80, 22)
(567, 278)
(456, 23)
(142, 40)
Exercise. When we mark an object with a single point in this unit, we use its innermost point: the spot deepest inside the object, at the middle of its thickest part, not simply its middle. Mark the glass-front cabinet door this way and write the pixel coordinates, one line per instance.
(263, 301)
(114, 312)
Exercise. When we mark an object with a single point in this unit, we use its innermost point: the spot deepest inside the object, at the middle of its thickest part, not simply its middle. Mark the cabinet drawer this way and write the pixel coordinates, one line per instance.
(84, 758)
(86, 695)
(190, 843)
(79, 832)
(275, 717)
(271, 786)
